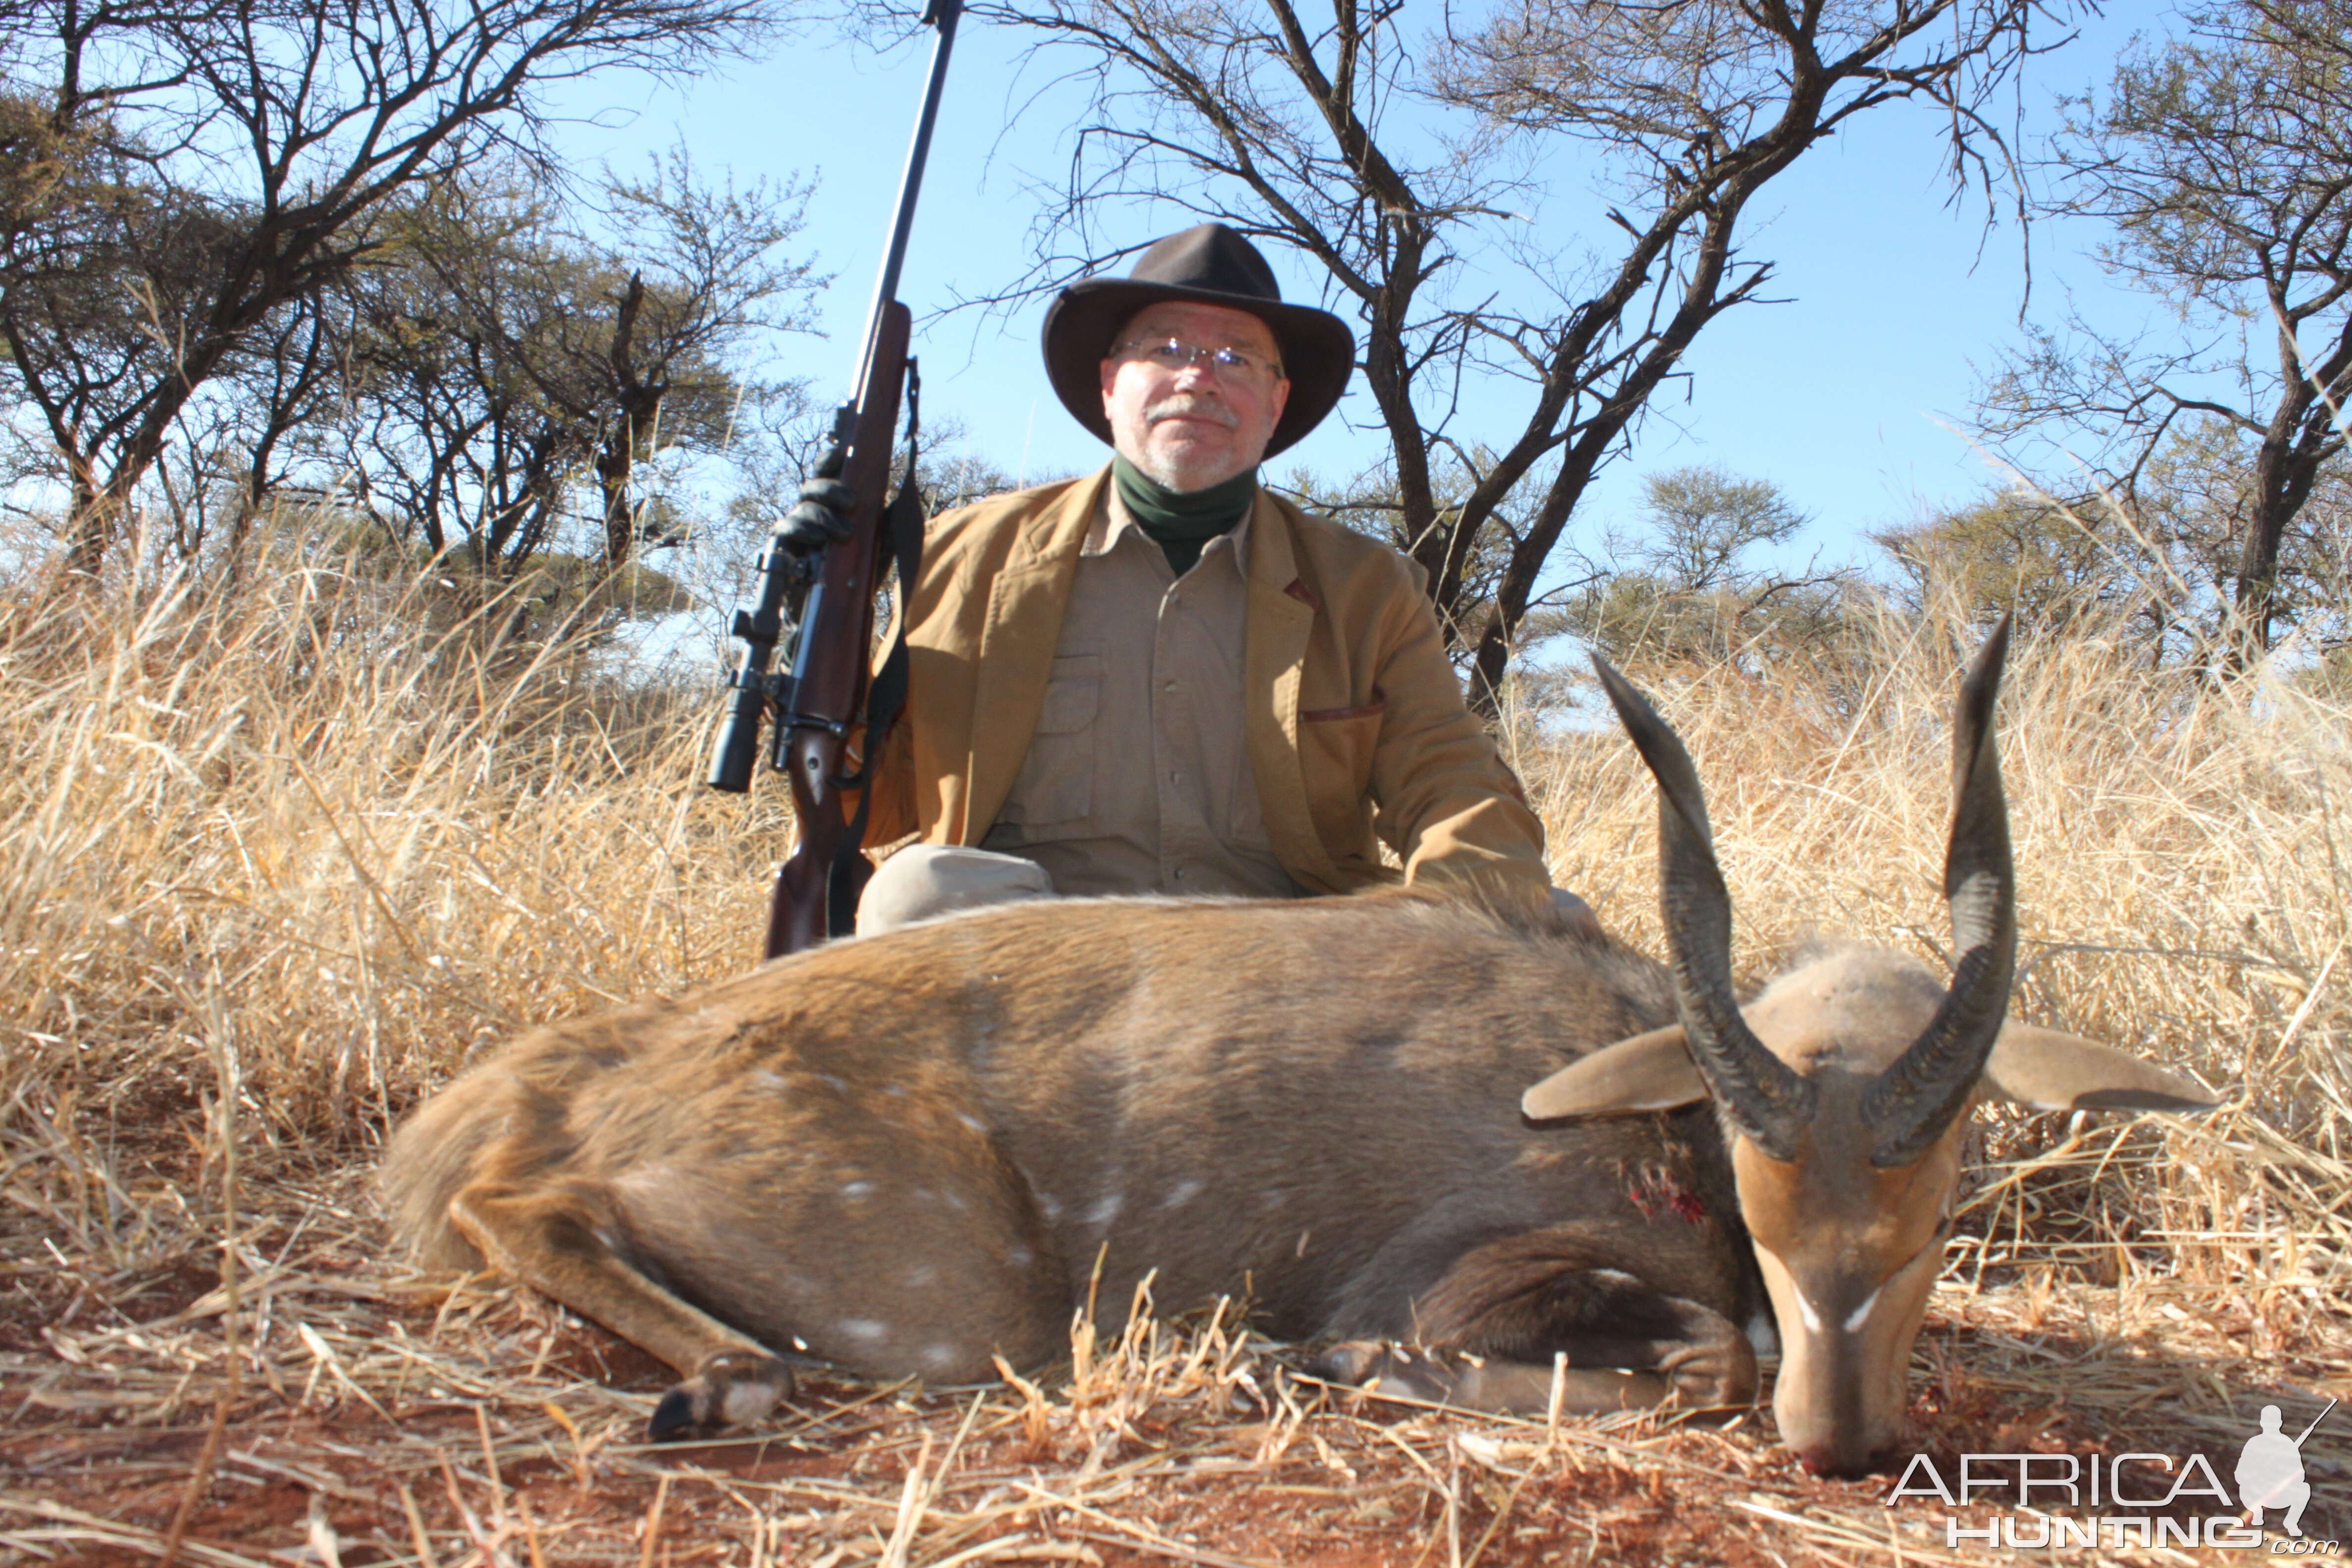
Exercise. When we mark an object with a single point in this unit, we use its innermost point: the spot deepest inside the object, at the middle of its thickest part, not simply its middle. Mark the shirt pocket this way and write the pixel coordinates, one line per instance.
(1335, 756)
(1056, 785)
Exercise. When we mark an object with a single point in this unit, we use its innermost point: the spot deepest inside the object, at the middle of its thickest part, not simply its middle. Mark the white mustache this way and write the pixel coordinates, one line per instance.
(1186, 405)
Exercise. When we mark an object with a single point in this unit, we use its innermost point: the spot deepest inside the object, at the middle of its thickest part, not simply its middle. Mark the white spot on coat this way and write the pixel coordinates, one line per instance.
(974, 1122)
(865, 1329)
(1812, 1319)
(939, 1358)
(1105, 1209)
(1182, 1192)
(1862, 1314)
(856, 1189)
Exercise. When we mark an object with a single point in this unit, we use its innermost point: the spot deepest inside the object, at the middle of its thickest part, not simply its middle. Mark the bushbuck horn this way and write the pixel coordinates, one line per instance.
(1917, 1098)
(1768, 1101)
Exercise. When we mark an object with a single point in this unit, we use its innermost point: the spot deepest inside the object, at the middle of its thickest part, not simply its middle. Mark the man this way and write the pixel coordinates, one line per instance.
(1161, 678)
(2270, 1474)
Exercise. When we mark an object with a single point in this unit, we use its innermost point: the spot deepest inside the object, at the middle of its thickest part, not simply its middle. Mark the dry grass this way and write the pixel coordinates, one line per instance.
(272, 861)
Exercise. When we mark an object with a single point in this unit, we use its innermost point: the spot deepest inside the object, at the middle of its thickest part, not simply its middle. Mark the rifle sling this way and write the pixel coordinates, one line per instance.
(885, 696)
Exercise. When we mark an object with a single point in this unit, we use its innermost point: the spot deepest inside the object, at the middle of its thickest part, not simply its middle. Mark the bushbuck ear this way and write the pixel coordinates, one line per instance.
(2049, 1069)
(1648, 1072)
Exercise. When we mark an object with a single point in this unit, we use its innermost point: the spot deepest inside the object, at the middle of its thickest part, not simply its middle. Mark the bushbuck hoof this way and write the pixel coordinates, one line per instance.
(730, 1388)
(1485, 1382)
(1716, 1375)
(1350, 1361)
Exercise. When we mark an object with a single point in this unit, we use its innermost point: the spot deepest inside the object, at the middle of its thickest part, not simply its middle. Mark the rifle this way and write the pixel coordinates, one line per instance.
(824, 610)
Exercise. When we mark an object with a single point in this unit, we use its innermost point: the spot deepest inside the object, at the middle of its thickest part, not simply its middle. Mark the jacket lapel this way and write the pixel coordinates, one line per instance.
(1015, 664)
(1280, 625)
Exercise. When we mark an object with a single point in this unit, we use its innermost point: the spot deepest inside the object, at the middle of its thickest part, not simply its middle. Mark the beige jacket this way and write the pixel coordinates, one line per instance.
(1356, 724)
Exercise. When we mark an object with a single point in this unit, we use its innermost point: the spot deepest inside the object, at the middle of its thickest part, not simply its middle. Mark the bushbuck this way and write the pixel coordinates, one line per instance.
(910, 1153)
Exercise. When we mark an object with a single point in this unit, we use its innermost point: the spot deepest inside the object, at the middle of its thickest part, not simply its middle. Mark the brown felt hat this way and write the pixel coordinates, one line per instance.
(1209, 265)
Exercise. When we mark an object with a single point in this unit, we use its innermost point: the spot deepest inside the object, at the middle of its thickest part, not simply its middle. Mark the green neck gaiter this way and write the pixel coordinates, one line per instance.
(1181, 521)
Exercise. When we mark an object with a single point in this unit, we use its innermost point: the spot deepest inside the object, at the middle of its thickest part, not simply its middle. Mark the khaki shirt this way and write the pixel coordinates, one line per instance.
(1137, 778)
(1352, 721)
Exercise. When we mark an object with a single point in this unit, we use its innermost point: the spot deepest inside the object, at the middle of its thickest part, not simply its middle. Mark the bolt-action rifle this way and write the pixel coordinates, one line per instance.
(821, 608)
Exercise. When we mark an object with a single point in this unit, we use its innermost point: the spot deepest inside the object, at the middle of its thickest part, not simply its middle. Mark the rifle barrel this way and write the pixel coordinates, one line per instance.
(944, 13)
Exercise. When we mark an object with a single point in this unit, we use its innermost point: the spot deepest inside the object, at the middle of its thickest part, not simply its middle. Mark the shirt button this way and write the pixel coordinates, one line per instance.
(1180, 873)
(1175, 778)
(1170, 686)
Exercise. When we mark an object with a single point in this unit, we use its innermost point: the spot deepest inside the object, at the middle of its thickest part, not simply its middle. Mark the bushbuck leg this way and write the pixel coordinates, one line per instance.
(1491, 1327)
(555, 1242)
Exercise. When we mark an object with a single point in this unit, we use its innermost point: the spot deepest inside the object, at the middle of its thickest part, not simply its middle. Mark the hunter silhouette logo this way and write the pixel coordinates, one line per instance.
(2269, 1471)
(2120, 1497)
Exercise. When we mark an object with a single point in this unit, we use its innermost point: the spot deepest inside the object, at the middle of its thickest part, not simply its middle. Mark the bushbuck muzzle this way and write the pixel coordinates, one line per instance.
(910, 1153)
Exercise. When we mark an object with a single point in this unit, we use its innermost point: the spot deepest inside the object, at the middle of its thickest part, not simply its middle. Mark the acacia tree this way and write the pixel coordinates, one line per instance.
(2224, 158)
(1404, 175)
(265, 135)
(501, 351)
(446, 440)
(692, 272)
(1684, 588)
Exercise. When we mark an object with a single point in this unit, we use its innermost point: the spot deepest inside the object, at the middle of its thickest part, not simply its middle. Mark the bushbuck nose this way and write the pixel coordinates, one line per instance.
(1844, 1461)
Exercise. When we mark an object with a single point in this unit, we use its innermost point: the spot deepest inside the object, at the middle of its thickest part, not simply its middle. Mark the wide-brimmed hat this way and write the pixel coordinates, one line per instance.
(1210, 265)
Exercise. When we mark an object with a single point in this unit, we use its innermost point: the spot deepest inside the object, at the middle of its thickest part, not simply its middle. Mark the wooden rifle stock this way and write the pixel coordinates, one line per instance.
(832, 666)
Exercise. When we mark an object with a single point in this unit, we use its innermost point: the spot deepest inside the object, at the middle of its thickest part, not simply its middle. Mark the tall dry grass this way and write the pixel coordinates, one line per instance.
(316, 837)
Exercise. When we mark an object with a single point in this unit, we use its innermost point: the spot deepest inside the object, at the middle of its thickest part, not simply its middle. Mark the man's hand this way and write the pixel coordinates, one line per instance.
(820, 518)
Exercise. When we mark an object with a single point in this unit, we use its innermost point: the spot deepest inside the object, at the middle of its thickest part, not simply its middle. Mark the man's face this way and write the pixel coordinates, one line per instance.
(1202, 424)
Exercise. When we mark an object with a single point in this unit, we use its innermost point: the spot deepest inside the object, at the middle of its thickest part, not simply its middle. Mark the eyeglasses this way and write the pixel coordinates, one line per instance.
(1173, 354)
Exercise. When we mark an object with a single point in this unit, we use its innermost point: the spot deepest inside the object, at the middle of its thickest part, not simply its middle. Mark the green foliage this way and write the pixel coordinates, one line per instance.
(507, 360)
(2011, 550)
(2159, 567)
(1692, 587)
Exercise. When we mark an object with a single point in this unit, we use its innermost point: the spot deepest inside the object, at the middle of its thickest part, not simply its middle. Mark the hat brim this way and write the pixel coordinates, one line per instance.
(1318, 350)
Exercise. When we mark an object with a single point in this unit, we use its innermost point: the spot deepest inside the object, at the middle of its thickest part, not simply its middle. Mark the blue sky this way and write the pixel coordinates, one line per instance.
(1843, 397)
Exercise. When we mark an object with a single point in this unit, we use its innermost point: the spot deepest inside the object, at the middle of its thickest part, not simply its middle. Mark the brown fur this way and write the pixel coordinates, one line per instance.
(907, 1152)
